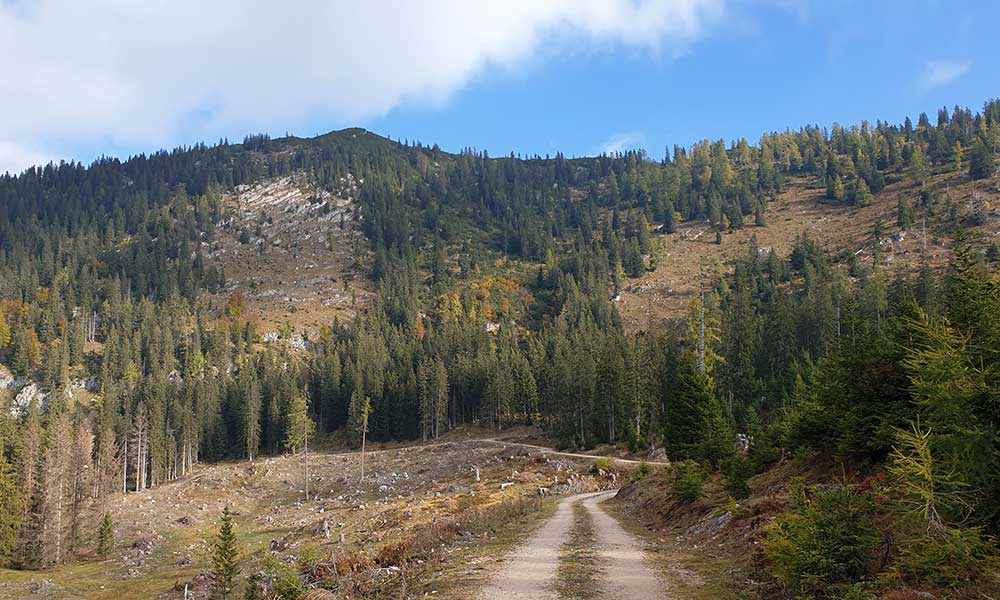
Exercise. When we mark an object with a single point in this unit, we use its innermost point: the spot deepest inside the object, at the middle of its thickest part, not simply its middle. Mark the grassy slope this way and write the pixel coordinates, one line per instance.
(686, 257)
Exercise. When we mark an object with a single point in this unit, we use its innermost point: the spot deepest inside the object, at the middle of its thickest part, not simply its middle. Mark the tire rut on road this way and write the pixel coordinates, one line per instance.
(530, 572)
(627, 573)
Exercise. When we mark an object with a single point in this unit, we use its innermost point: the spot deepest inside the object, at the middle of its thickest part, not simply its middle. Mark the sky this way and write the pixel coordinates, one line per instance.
(118, 77)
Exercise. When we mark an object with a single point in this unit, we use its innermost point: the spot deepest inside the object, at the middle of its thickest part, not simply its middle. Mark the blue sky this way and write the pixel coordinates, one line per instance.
(524, 76)
(776, 68)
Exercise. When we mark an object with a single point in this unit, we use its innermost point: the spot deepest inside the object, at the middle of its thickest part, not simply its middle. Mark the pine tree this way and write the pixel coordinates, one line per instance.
(759, 218)
(225, 560)
(139, 444)
(299, 426)
(80, 472)
(4, 331)
(10, 509)
(433, 392)
(27, 352)
(250, 413)
(29, 457)
(669, 218)
(360, 411)
(425, 396)
(704, 332)
(525, 388)
(862, 194)
(921, 170)
(982, 164)
(55, 489)
(105, 537)
(693, 422)
(835, 188)
(904, 215)
(957, 151)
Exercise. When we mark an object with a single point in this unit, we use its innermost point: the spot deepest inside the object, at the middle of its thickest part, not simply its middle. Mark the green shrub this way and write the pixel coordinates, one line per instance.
(688, 481)
(823, 541)
(253, 587)
(645, 470)
(309, 555)
(948, 557)
(736, 472)
(289, 587)
(932, 548)
(602, 464)
(852, 591)
(636, 444)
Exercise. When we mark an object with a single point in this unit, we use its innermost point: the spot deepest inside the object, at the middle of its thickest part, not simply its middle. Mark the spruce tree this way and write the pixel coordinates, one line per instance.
(360, 411)
(862, 194)
(4, 330)
(250, 414)
(982, 164)
(921, 170)
(693, 423)
(55, 490)
(904, 215)
(10, 509)
(225, 560)
(105, 536)
(299, 426)
(835, 188)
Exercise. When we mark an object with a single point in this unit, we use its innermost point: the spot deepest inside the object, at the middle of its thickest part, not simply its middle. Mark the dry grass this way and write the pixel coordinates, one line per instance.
(689, 258)
(579, 572)
(291, 275)
(418, 520)
(697, 571)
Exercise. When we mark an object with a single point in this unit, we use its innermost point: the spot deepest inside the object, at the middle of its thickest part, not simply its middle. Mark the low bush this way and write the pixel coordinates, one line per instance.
(688, 480)
(637, 444)
(947, 557)
(736, 471)
(827, 539)
(289, 587)
(602, 464)
(309, 555)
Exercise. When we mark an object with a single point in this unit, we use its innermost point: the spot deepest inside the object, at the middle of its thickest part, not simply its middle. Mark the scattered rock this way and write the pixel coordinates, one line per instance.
(711, 525)
(143, 544)
(657, 455)
(278, 545)
(323, 528)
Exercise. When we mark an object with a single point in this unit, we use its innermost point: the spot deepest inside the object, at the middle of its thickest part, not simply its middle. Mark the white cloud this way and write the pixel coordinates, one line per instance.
(941, 72)
(120, 72)
(620, 142)
(14, 157)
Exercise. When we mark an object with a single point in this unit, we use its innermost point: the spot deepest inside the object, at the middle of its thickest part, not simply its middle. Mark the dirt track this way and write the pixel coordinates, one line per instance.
(625, 461)
(628, 573)
(530, 571)
(505, 443)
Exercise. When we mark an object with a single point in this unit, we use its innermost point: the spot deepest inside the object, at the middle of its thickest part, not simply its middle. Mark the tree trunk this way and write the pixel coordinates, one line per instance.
(364, 434)
(125, 467)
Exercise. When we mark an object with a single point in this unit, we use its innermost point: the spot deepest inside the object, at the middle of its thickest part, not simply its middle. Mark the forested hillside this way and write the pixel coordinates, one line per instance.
(495, 283)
